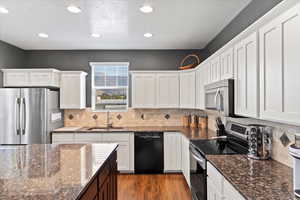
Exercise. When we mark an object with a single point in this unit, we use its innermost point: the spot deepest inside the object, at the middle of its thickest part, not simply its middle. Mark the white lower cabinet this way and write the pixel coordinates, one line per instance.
(125, 152)
(212, 193)
(185, 159)
(62, 138)
(123, 157)
(87, 138)
(218, 188)
(172, 152)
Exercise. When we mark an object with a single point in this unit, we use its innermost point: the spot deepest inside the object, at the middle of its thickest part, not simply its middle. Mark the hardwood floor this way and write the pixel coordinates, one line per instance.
(152, 187)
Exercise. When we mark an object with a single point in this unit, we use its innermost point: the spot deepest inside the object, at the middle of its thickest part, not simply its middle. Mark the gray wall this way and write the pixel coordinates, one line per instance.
(10, 57)
(255, 10)
(79, 59)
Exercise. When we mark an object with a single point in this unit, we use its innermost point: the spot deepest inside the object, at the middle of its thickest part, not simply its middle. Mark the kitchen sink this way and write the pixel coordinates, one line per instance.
(103, 128)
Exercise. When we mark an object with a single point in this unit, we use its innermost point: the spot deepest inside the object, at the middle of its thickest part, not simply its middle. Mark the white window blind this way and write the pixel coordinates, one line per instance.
(110, 86)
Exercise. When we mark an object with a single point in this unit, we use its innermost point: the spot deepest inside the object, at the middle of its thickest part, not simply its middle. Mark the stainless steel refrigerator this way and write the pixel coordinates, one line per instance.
(28, 115)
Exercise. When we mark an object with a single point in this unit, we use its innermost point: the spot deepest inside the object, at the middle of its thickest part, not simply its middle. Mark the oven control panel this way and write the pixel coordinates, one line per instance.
(258, 137)
(237, 130)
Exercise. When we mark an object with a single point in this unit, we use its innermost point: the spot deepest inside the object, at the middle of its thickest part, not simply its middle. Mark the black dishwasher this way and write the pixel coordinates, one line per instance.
(148, 152)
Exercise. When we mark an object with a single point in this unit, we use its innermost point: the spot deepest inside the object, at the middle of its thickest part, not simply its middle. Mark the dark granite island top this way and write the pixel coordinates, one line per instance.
(256, 179)
(50, 171)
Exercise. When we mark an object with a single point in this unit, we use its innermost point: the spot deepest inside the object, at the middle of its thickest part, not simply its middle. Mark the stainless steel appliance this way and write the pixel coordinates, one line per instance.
(220, 96)
(28, 115)
(234, 142)
(259, 138)
(198, 174)
(260, 142)
(148, 152)
(294, 150)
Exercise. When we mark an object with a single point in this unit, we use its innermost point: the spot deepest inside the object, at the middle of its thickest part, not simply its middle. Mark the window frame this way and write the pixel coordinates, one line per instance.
(93, 87)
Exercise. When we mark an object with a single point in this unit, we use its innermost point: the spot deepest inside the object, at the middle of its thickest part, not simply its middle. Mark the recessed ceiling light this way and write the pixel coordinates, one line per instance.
(3, 10)
(74, 9)
(146, 9)
(43, 35)
(95, 35)
(148, 35)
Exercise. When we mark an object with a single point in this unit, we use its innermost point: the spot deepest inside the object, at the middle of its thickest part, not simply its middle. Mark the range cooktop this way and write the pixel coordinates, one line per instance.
(219, 147)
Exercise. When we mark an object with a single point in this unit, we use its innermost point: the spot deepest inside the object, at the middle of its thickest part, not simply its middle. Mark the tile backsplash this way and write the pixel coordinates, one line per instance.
(130, 118)
(283, 135)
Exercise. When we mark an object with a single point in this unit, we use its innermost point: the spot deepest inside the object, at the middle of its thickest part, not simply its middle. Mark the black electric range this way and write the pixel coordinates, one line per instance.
(220, 146)
(234, 142)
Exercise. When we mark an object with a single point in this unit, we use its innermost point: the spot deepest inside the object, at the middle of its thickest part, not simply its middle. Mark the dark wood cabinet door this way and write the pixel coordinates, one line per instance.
(104, 191)
(104, 186)
(113, 184)
(91, 192)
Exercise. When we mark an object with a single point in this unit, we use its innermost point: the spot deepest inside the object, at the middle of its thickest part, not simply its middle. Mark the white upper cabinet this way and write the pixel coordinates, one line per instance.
(46, 77)
(206, 71)
(73, 90)
(143, 90)
(280, 68)
(172, 152)
(187, 89)
(201, 77)
(168, 90)
(226, 66)
(246, 76)
(155, 89)
(215, 69)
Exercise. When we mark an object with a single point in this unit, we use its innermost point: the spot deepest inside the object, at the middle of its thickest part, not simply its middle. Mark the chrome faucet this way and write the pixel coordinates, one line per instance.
(108, 124)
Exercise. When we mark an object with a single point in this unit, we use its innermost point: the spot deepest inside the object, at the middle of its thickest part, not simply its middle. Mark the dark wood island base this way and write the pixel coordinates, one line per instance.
(104, 184)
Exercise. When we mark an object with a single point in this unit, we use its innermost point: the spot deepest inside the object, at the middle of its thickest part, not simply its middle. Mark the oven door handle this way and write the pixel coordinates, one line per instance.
(198, 159)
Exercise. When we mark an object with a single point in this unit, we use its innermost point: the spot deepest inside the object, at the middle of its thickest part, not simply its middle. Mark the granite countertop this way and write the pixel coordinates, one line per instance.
(190, 133)
(46, 171)
(256, 179)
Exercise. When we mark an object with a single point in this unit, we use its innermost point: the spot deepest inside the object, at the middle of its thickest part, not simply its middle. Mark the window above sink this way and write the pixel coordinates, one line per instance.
(109, 86)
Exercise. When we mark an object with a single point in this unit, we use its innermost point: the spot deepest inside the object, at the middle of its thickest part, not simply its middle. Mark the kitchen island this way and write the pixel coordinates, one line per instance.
(58, 171)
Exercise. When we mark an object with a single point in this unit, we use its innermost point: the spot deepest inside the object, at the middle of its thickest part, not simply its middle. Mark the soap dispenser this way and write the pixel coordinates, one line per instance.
(294, 150)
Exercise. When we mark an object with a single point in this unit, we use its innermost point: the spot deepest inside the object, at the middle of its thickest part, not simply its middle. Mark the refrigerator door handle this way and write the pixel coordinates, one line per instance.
(18, 114)
(24, 116)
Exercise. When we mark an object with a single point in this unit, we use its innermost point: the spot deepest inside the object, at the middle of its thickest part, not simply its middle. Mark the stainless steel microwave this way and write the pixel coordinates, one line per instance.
(219, 96)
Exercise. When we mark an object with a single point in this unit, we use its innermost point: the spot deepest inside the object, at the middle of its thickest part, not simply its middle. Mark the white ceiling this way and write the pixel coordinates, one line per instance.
(175, 24)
